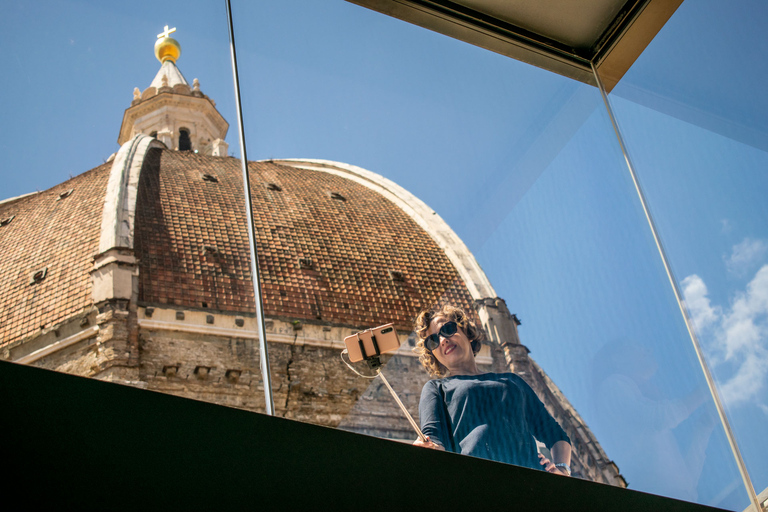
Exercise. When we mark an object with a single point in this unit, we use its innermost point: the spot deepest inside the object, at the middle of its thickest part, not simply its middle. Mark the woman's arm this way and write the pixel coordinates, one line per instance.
(561, 454)
(548, 431)
(432, 416)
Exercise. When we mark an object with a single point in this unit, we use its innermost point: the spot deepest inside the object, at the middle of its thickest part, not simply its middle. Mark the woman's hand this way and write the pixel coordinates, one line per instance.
(549, 467)
(428, 444)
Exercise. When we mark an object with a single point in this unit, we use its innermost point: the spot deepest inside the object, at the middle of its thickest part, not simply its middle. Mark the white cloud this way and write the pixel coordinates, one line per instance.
(725, 226)
(745, 324)
(737, 335)
(746, 255)
(748, 381)
(701, 311)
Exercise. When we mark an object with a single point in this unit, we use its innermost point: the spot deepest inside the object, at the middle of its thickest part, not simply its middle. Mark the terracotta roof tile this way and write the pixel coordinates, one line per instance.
(53, 233)
(321, 258)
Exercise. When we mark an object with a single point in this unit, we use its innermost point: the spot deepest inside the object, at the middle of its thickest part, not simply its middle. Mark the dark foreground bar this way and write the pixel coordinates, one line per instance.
(71, 442)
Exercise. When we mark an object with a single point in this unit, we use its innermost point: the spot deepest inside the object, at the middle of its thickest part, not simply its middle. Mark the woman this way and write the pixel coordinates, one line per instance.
(490, 415)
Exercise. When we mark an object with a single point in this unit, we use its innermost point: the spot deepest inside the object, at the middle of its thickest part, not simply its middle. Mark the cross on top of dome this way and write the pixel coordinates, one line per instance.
(166, 32)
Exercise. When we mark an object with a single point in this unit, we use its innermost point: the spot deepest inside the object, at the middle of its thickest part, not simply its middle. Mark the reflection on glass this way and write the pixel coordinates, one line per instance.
(700, 152)
(627, 395)
(619, 307)
(492, 186)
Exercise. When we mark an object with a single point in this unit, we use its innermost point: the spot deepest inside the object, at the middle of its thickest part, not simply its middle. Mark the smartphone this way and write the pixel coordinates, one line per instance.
(372, 342)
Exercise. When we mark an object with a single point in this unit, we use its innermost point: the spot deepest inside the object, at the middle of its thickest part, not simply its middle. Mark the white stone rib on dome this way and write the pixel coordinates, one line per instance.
(475, 279)
(120, 199)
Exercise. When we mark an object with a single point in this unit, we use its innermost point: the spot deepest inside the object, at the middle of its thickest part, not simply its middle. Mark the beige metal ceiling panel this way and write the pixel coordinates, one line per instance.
(563, 36)
(576, 24)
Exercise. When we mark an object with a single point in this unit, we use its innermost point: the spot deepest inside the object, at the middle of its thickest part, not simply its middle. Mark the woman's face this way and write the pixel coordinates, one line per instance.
(454, 352)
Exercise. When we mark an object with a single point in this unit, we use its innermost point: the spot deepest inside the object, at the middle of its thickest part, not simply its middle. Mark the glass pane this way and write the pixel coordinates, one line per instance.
(440, 172)
(693, 114)
(525, 171)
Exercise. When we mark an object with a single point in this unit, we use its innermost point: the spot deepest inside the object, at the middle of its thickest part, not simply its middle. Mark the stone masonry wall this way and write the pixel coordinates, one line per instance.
(309, 380)
(214, 357)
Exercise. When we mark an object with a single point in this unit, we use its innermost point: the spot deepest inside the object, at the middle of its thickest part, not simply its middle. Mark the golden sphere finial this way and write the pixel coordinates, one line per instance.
(167, 48)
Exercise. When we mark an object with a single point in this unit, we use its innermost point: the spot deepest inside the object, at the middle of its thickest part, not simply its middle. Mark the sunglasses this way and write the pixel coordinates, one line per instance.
(447, 330)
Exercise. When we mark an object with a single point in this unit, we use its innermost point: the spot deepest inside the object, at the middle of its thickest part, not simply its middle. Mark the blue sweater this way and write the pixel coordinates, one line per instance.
(494, 416)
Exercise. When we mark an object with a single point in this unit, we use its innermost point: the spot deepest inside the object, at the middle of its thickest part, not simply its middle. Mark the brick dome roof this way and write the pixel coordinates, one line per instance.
(53, 234)
(330, 249)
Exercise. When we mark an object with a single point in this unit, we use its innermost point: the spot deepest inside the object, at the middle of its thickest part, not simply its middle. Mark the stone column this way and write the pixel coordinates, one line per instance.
(166, 137)
(509, 355)
(220, 148)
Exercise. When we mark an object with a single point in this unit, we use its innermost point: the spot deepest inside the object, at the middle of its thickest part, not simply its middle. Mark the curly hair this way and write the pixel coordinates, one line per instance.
(474, 334)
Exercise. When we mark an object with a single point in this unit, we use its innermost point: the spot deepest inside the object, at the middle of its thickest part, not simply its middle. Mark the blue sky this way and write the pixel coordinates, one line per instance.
(523, 165)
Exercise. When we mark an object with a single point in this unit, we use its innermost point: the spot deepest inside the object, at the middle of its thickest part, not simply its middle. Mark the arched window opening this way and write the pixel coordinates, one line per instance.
(185, 143)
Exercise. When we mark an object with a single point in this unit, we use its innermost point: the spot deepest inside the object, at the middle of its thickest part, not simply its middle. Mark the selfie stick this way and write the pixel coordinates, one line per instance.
(374, 363)
(405, 411)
